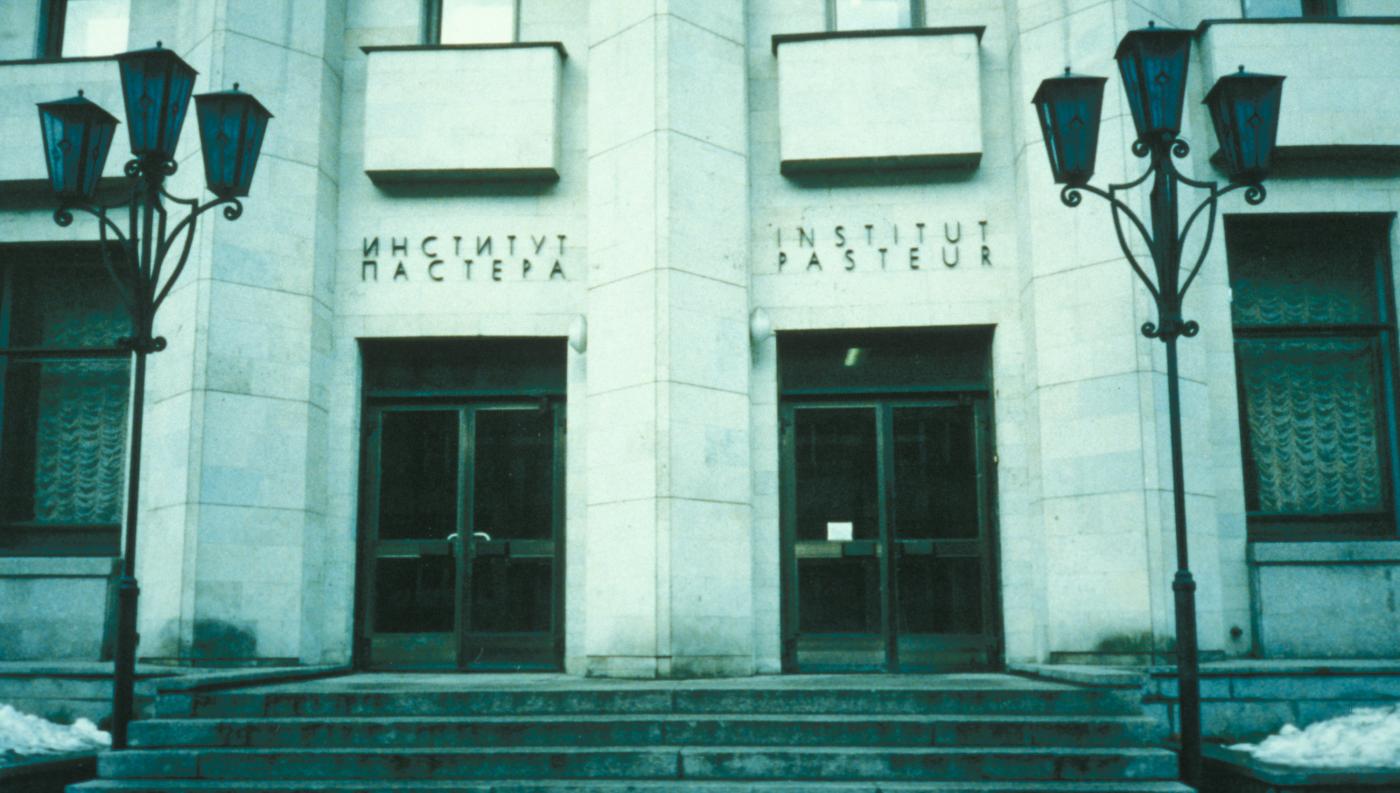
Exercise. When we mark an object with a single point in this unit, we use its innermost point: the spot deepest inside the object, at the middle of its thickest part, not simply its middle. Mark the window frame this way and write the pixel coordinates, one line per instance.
(916, 16)
(53, 14)
(25, 538)
(431, 33)
(1382, 333)
(1307, 9)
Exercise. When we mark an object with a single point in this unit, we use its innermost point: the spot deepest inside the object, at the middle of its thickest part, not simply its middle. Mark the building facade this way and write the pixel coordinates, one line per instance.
(682, 337)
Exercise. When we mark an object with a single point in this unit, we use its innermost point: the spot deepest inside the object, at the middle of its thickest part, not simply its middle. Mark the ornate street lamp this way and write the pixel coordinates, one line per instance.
(1244, 108)
(156, 86)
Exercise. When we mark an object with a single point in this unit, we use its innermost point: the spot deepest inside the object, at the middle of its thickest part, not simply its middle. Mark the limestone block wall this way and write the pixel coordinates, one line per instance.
(233, 495)
(1298, 588)
(914, 248)
(448, 102)
(925, 112)
(669, 546)
(55, 608)
(1331, 97)
(22, 86)
(511, 259)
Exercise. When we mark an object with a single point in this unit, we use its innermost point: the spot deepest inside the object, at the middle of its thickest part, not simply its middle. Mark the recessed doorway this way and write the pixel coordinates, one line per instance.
(461, 519)
(887, 502)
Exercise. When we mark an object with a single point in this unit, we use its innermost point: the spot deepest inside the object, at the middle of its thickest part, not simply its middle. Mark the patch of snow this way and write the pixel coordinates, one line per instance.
(1366, 737)
(22, 733)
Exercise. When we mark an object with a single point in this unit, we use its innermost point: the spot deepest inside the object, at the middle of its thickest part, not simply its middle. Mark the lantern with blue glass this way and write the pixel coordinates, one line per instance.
(156, 88)
(1244, 110)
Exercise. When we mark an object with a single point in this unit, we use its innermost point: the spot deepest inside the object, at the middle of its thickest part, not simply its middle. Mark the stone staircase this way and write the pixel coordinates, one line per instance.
(555, 734)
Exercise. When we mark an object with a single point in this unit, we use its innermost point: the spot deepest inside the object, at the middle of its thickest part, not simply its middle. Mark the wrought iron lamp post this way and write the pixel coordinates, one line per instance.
(77, 133)
(1244, 108)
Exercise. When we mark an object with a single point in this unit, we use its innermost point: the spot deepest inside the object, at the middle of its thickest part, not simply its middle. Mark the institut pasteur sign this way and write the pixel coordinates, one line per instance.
(735, 338)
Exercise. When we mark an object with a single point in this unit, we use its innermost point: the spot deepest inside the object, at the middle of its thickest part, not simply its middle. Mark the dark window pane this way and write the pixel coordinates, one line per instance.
(471, 367)
(418, 474)
(511, 595)
(935, 474)
(838, 595)
(64, 442)
(834, 456)
(1311, 413)
(62, 453)
(939, 595)
(414, 595)
(514, 488)
(884, 361)
(1296, 273)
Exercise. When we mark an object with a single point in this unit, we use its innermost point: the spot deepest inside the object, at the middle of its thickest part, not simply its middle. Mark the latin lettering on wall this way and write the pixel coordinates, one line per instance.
(882, 247)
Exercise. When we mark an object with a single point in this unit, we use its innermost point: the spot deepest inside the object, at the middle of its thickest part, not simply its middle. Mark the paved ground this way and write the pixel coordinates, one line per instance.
(408, 682)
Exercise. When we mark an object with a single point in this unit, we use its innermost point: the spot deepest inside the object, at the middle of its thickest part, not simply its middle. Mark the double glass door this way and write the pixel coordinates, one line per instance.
(888, 561)
(462, 536)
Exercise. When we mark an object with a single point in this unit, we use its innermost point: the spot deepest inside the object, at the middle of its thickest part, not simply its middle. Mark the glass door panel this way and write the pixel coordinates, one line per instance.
(415, 458)
(512, 550)
(463, 568)
(837, 545)
(886, 558)
(937, 532)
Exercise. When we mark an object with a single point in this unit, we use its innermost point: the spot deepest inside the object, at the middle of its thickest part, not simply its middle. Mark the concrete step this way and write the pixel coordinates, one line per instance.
(569, 786)
(660, 729)
(1050, 700)
(649, 763)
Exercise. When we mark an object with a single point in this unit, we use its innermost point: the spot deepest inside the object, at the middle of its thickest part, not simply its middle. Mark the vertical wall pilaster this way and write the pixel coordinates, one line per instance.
(234, 501)
(669, 551)
(1098, 388)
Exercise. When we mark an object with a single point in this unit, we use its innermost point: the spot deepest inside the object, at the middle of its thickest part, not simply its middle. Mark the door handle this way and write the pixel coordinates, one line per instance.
(480, 535)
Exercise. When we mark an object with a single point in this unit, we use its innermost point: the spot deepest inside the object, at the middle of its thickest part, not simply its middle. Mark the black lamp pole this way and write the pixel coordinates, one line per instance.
(1244, 109)
(156, 86)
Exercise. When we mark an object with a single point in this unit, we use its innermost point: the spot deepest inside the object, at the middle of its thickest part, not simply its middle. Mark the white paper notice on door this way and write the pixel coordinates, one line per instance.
(840, 531)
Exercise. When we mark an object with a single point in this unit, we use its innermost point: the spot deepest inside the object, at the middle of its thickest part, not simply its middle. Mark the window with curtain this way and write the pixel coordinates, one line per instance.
(471, 21)
(62, 420)
(873, 14)
(84, 28)
(1290, 8)
(1315, 356)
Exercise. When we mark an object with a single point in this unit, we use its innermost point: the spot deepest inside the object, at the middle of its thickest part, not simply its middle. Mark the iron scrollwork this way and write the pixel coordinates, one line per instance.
(1165, 253)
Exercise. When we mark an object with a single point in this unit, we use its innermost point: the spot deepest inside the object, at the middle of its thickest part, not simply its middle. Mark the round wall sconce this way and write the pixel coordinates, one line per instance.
(760, 326)
(578, 334)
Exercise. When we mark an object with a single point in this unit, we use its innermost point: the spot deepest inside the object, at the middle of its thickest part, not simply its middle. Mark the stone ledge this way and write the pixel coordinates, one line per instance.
(1234, 767)
(1102, 676)
(55, 566)
(1298, 553)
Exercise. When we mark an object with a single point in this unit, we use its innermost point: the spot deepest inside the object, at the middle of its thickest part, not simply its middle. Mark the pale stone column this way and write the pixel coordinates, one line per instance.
(668, 501)
(1102, 476)
(233, 496)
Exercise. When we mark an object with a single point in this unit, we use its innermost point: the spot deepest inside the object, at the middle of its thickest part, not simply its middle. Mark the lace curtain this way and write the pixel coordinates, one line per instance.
(1311, 415)
(1310, 399)
(80, 415)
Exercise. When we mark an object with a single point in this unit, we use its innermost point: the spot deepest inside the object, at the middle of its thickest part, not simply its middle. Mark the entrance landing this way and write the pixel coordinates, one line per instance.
(552, 733)
(408, 682)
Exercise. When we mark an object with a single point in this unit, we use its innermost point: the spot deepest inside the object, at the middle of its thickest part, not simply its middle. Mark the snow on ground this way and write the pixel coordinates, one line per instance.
(1366, 737)
(21, 733)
